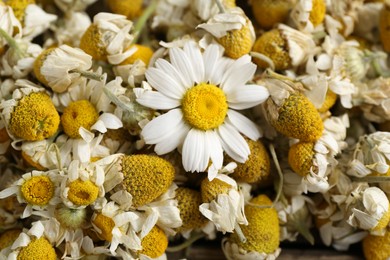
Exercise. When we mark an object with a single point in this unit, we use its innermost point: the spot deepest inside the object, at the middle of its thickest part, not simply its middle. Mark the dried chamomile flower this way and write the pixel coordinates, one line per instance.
(346, 12)
(201, 98)
(223, 203)
(262, 233)
(9, 26)
(33, 244)
(277, 11)
(233, 30)
(377, 247)
(154, 243)
(384, 23)
(142, 52)
(308, 14)
(256, 168)
(366, 26)
(61, 67)
(30, 114)
(204, 9)
(132, 74)
(108, 38)
(189, 201)
(283, 47)
(19, 7)
(68, 6)
(37, 189)
(129, 8)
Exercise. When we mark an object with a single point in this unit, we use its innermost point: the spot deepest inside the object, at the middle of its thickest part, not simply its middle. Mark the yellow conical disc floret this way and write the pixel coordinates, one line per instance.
(274, 46)
(270, 12)
(155, 243)
(146, 177)
(262, 232)
(300, 157)
(105, 225)
(78, 114)
(317, 14)
(8, 237)
(237, 42)
(384, 27)
(330, 100)
(38, 190)
(298, 118)
(19, 7)
(188, 203)
(39, 63)
(257, 167)
(82, 193)
(377, 247)
(143, 53)
(92, 43)
(34, 118)
(130, 8)
(211, 189)
(38, 249)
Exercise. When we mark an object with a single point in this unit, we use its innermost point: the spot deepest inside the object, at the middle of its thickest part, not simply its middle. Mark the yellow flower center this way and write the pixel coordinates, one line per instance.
(39, 63)
(82, 193)
(106, 225)
(237, 42)
(211, 189)
(38, 190)
(204, 106)
(19, 8)
(34, 118)
(143, 53)
(38, 249)
(8, 237)
(155, 243)
(92, 43)
(78, 114)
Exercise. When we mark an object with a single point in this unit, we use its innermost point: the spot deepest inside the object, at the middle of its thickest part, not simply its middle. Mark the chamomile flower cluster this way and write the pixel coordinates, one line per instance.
(129, 129)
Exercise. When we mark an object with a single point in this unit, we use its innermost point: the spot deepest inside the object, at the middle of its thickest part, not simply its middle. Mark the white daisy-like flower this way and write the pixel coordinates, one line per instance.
(202, 92)
(36, 21)
(37, 189)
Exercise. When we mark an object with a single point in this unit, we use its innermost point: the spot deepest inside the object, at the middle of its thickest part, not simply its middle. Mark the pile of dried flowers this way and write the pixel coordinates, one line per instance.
(160, 122)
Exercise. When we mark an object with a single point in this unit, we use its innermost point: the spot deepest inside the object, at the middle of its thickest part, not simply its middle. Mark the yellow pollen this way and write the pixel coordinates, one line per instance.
(277, 11)
(38, 249)
(8, 237)
(34, 118)
(237, 42)
(274, 46)
(92, 43)
(27, 158)
(130, 8)
(106, 225)
(204, 106)
(188, 203)
(146, 177)
(318, 11)
(78, 114)
(377, 247)
(38, 63)
(19, 7)
(38, 190)
(82, 193)
(155, 243)
(211, 189)
(300, 157)
(143, 53)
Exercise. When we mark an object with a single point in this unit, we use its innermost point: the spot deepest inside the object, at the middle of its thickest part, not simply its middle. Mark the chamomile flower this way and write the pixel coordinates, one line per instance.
(35, 20)
(308, 14)
(130, 8)
(223, 203)
(37, 189)
(61, 67)
(376, 247)
(201, 95)
(277, 12)
(108, 38)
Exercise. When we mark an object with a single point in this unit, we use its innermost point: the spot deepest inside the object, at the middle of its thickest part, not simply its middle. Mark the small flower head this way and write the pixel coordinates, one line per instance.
(19, 7)
(262, 232)
(154, 243)
(130, 8)
(91, 43)
(81, 113)
(34, 118)
(188, 203)
(257, 167)
(377, 247)
(277, 12)
(384, 23)
(143, 53)
(211, 189)
(82, 193)
(105, 225)
(146, 177)
(71, 218)
(300, 157)
(38, 249)
(8, 237)
(38, 190)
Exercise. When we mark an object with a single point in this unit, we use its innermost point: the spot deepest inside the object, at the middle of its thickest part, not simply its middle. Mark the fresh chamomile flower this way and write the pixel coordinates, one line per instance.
(233, 30)
(223, 203)
(33, 244)
(10, 25)
(308, 14)
(283, 47)
(262, 233)
(277, 11)
(129, 8)
(61, 67)
(67, 6)
(108, 38)
(377, 247)
(256, 168)
(37, 189)
(30, 114)
(202, 96)
(384, 22)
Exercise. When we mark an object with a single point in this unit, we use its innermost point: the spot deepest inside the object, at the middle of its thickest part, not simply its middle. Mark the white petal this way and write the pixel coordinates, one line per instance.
(195, 56)
(99, 126)
(182, 63)
(210, 57)
(216, 152)
(233, 143)
(173, 140)
(238, 74)
(169, 69)
(246, 96)
(81, 150)
(37, 229)
(111, 121)
(195, 153)
(164, 83)
(156, 100)
(244, 125)
(161, 127)
(86, 135)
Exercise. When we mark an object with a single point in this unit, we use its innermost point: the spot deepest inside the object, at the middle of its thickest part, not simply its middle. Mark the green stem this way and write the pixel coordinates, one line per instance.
(143, 19)
(371, 179)
(220, 6)
(129, 107)
(11, 41)
(185, 244)
(88, 74)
